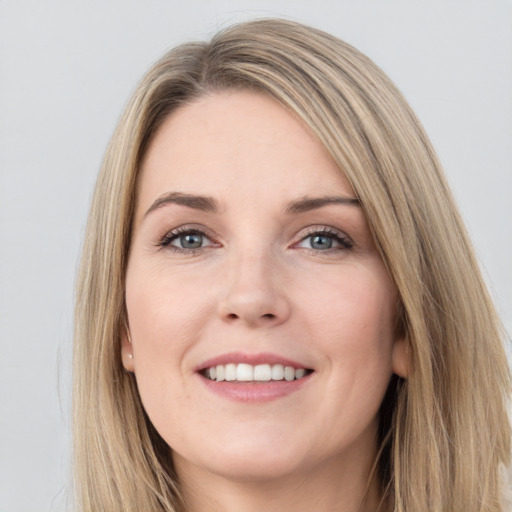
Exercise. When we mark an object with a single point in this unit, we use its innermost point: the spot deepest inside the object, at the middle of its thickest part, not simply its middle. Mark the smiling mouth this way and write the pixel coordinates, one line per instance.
(244, 372)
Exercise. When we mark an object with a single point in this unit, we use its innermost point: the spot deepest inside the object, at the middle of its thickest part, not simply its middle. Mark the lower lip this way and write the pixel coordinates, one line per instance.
(255, 391)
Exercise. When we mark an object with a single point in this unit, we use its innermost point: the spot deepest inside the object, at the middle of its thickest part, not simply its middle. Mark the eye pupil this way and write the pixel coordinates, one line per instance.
(321, 242)
(191, 240)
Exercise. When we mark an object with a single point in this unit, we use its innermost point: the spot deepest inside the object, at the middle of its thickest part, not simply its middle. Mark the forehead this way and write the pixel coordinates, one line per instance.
(242, 142)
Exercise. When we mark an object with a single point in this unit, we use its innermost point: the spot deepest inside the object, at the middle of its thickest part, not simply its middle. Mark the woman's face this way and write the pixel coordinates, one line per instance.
(250, 256)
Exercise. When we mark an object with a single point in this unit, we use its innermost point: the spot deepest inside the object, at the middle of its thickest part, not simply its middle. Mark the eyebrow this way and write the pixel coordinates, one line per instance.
(203, 203)
(208, 204)
(307, 204)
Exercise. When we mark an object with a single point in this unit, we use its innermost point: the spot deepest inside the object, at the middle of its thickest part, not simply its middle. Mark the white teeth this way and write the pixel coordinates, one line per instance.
(300, 373)
(289, 373)
(244, 372)
(262, 372)
(230, 372)
(248, 373)
(277, 372)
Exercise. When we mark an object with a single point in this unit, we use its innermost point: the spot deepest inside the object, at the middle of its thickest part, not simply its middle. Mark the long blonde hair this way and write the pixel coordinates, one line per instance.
(444, 432)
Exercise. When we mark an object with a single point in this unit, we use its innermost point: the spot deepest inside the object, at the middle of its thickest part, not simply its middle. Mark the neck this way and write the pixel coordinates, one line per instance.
(323, 489)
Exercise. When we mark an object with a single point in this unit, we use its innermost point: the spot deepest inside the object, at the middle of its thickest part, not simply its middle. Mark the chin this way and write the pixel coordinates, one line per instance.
(245, 463)
(270, 467)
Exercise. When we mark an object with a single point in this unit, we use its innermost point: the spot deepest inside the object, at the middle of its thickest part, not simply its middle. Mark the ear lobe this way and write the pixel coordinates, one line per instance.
(126, 350)
(402, 357)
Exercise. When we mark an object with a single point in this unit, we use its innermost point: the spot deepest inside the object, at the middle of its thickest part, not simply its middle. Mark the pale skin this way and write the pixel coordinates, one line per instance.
(254, 267)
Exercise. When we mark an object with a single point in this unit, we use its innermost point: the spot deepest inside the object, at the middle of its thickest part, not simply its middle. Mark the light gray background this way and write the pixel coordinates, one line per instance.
(66, 70)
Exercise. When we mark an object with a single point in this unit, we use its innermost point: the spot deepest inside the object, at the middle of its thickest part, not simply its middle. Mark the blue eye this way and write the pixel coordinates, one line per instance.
(188, 241)
(325, 240)
(185, 240)
(320, 242)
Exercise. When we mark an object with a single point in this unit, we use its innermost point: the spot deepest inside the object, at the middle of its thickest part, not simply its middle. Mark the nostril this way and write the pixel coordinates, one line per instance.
(266, 316)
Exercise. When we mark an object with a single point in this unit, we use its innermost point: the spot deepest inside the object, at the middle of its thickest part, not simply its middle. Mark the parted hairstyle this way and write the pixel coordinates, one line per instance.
(444, 432)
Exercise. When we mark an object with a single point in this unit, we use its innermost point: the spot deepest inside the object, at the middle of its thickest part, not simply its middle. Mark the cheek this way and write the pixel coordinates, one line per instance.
(352, 322)
(166, 318)
(357, 303)
(162, 309)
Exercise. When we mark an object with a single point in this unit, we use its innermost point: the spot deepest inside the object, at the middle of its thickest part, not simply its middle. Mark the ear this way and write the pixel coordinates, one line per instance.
(126, 349)
(402, 357)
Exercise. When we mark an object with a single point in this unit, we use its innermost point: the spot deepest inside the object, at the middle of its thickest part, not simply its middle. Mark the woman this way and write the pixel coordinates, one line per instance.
(278, 306)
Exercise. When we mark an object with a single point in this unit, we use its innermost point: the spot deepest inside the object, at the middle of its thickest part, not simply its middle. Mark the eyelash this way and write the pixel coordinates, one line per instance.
(345, 243)
(173, 235)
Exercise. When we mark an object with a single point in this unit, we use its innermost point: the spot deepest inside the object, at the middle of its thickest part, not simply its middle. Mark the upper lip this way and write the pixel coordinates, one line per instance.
(252, 359)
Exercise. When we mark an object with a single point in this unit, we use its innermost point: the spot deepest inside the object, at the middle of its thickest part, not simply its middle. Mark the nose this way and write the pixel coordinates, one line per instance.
(253, 293)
